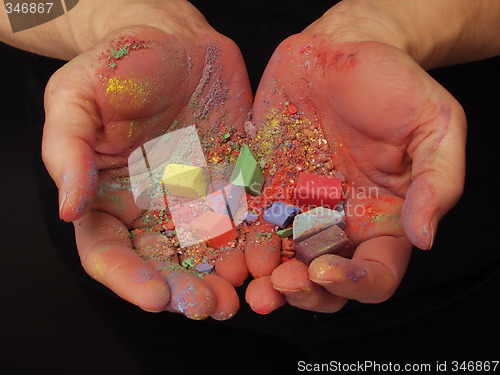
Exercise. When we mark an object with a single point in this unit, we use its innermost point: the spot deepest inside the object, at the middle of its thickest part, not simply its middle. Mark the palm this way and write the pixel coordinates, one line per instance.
(131, 90)
(376, 106)
(398, 138)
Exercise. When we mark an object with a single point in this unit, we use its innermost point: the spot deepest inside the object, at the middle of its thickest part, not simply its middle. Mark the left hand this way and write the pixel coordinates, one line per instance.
(399, 139)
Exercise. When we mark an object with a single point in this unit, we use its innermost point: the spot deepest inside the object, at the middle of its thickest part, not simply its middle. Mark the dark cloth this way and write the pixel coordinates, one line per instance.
(463, 258)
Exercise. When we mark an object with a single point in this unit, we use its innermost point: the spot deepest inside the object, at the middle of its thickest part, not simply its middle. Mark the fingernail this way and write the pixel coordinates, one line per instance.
(432, 235)
(62, 203)
(63, 192)
(293, 291)
(335, 269)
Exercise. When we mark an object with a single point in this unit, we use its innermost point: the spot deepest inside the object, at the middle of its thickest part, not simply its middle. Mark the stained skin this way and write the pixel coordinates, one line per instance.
(157, 82)
(396, 135)
(128, 89)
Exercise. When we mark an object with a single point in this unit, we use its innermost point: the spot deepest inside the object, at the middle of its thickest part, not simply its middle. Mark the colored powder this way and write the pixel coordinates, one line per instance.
(127, 86)
(130, 89)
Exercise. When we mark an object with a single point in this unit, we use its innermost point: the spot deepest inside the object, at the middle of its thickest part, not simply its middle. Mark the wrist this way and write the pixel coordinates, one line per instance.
(101, 20)
(94, 20)
(363, 21)
(433, 33)
(105, 19)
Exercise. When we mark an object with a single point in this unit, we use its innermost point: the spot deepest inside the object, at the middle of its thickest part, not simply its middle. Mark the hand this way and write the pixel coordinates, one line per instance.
(132, 86)
(395, 134)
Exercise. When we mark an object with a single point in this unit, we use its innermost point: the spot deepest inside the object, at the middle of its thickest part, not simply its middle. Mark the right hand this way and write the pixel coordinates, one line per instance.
(127, 89)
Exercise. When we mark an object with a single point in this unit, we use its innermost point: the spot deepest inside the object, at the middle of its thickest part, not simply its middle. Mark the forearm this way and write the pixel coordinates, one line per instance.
(434, 33)
(59, 38)
(91, 20)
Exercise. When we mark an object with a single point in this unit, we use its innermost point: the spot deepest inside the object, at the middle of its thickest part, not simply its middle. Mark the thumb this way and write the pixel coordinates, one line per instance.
(437, 149)
(68, 141)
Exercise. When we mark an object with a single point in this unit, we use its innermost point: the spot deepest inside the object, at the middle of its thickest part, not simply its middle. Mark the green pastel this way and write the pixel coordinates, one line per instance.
(285, 232)
(247, 172)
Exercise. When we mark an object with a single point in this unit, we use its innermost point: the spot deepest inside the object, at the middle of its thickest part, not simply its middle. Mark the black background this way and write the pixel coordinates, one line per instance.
(446, 308)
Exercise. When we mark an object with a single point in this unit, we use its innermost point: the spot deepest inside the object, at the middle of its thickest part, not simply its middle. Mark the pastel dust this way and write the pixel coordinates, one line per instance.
(144, 276)
(284, 147)
(98, 268)
(131, 91)
(120, 49)
(371, 215)
(335, 60)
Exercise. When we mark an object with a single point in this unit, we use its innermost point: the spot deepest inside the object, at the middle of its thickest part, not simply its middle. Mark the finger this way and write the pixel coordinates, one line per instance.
(292, 279)
(231, 265)
(69, 141)
(189, 295)
(227, 302)
(371, 276)
(262, 297)
(106, 254)
(438, 172)
(263, 251)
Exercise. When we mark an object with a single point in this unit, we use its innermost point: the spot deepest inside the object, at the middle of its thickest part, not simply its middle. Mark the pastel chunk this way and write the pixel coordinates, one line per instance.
(247, 172)
(318, 190)
(223, 239)
(332, 240)
(280, 214)
(214, 227)
(340, 208)
(185, 180)
(284, 233)
(204, 267)
(251, 217)
(313, 221)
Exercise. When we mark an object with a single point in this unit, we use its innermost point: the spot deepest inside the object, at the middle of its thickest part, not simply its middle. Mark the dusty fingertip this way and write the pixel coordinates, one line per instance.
(161, 297)
(420, 236)
(262, 297)
(263, 251)
(227, 301)
(189, 295)
(418, 215)
(333, 268)
(232, 267)
(291, 276)
(262, 259)
(73, 206)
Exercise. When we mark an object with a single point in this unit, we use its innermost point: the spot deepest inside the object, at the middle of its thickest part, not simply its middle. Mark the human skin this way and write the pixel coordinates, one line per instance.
(102, 105)
(399, 139)
(360, 70)
(168, 73)
(421, 170)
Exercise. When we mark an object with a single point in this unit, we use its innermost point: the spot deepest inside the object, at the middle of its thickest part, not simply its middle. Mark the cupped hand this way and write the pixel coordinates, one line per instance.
(133, 86)
(396, 135)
